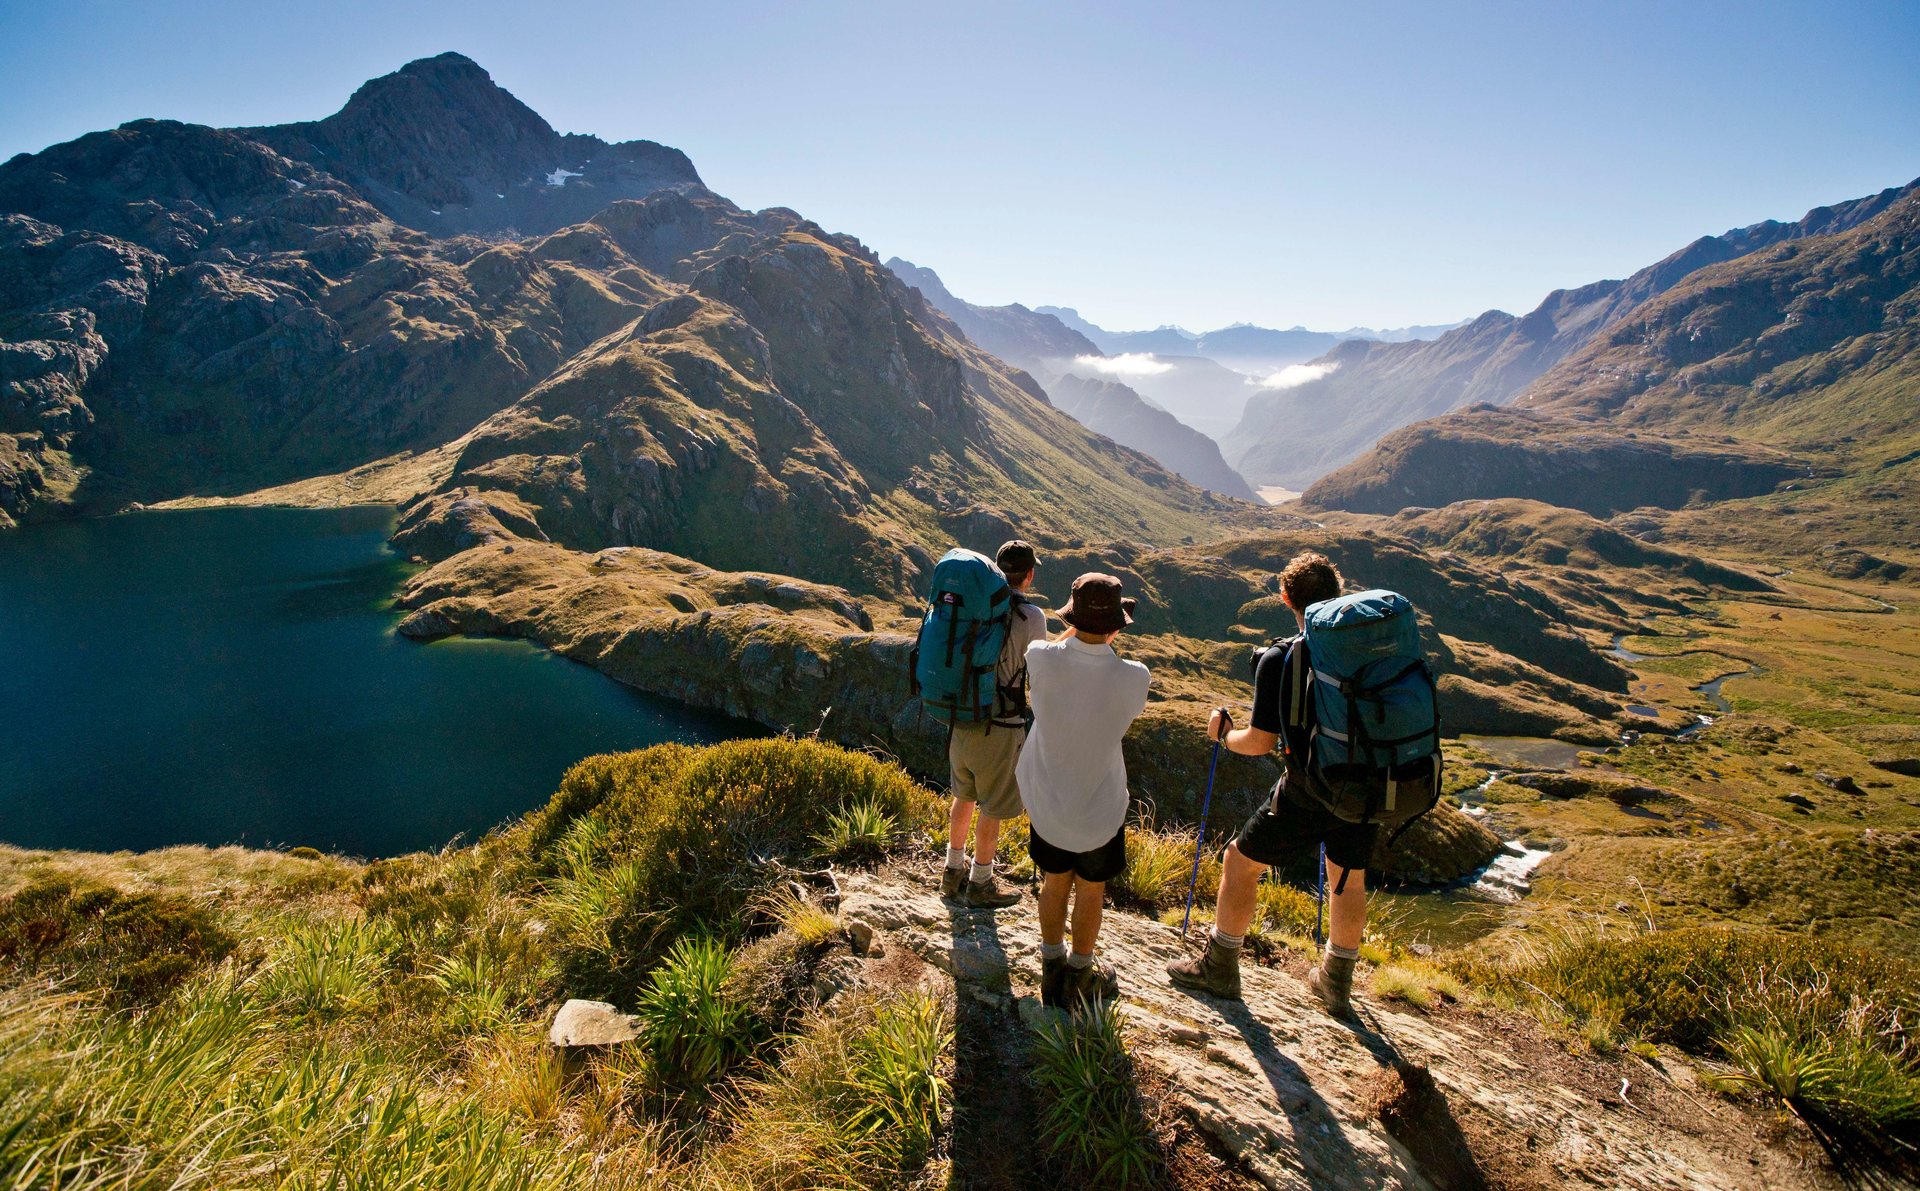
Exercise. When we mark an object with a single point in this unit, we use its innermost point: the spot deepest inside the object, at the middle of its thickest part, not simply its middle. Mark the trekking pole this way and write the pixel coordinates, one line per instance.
(1320, 898)
(1194, 881)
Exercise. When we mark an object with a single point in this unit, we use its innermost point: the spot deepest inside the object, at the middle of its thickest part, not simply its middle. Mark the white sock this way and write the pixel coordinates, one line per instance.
(956, 858)
(981, 871)
(1227, 941)
(1077, 960)
(1053, 951)
(1338, 952)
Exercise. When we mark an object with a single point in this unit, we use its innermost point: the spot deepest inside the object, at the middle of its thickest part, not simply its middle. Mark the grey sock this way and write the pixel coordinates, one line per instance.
(1053, 951)
(1226, 941)
(956, 858)
(980, 871)
(1338, 952)
(1077, 960)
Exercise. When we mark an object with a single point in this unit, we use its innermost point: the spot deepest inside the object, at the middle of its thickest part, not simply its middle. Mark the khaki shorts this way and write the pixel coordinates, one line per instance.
(983, 761)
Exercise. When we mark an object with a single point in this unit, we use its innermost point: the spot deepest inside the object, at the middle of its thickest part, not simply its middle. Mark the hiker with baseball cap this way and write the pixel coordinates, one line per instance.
(981, 756)
(1074, 781)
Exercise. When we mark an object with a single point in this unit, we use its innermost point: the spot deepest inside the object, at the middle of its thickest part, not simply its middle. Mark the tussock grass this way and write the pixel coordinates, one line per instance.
(1159, 866)
(1091, 1111)
(694, 1026)
(856, 1104)
(1823, 1026)
(210, 1093)
(862, 833)
(1417, 982)
(812, 925)
(329, 969)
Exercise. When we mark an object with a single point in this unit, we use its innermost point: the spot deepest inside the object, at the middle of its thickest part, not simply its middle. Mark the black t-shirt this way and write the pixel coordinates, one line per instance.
(1271, 698)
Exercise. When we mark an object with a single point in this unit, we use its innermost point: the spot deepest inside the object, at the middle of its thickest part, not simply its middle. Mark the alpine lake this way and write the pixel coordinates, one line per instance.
(232, 675)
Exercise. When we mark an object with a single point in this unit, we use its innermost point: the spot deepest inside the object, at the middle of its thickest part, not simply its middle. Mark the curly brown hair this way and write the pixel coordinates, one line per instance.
(1308, 579)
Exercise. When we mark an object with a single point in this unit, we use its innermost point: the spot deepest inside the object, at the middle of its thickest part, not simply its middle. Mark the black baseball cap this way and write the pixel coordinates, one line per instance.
(1016, 558)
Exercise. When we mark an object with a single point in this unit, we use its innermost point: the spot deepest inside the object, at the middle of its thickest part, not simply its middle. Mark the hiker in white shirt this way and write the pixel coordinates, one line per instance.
(1073, 780)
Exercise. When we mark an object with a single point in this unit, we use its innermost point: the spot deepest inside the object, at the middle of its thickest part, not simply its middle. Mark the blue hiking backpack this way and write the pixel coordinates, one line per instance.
(956, 659)
(1360, 696)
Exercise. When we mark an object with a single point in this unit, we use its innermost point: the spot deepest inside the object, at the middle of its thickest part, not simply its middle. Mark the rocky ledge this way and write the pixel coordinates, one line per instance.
(1289, 1098)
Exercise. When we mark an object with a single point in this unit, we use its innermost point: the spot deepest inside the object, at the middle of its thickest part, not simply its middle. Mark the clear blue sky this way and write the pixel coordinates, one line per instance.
(1330, 164)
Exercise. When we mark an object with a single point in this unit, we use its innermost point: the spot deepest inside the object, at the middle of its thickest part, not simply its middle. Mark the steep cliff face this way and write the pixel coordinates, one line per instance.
(1292, 436)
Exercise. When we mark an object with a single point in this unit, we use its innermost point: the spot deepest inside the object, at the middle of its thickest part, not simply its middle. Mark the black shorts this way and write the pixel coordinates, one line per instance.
(1104, 863)
(1273, 837)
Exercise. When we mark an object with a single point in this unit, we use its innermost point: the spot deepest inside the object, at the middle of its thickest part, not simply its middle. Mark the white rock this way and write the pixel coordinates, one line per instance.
(592, 1023)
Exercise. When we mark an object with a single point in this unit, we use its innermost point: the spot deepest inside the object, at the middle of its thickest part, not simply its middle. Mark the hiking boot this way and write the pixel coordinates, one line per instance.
(1215, 970)
(1332, 981)
(1053, 983)
(1095, 982)
(952, 880)
(989, 894)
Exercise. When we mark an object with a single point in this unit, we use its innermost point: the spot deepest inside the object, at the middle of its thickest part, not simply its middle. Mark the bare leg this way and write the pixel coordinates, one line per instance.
(986, 837)
(1349, 906)
(958, 822)
(1054, 888)
(1088, 897)
(1239, 888)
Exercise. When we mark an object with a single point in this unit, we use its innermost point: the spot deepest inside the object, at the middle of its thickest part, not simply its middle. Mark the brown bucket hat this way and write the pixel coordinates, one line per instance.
(1096, 605)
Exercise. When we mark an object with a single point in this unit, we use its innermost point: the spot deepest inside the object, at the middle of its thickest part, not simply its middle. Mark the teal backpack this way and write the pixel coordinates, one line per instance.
(1369, 710)
(956, 658)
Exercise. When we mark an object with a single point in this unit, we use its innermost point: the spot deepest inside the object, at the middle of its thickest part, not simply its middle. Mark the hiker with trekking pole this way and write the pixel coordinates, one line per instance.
(1352, 704)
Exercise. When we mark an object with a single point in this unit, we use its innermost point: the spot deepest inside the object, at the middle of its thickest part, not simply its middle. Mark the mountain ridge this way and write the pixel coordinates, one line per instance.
(1283, 439)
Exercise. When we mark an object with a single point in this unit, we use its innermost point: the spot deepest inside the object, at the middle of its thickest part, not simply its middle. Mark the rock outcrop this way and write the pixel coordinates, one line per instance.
(1290, 1098)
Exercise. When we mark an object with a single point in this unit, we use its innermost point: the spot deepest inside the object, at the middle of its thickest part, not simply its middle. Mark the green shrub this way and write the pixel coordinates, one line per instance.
(136, 947)
(693, 1025)
(678, 841)
(1091, 1107)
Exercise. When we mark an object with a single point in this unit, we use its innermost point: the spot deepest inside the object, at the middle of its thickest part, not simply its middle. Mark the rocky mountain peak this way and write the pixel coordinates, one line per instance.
(439, 146)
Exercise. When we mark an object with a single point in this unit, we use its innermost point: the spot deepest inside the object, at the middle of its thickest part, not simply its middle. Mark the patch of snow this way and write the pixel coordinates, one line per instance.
(296, 183)
(499, 196)
(435, 212)
(559, 176)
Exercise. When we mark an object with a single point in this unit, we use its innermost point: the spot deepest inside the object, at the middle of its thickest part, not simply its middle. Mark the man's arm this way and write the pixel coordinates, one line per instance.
(1262, 735)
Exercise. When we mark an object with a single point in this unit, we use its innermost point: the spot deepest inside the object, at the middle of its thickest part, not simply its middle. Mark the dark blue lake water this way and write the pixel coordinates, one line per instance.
(232, 676)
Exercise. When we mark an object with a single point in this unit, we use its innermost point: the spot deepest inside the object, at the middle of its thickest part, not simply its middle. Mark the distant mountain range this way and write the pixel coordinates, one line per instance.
(624, 359)
(1242, 347)
(1069, 367)
(1295, 434)
(1786, 374)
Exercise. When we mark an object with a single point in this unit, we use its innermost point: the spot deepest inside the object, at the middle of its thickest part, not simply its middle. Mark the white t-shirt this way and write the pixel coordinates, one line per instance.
(1072, 776)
